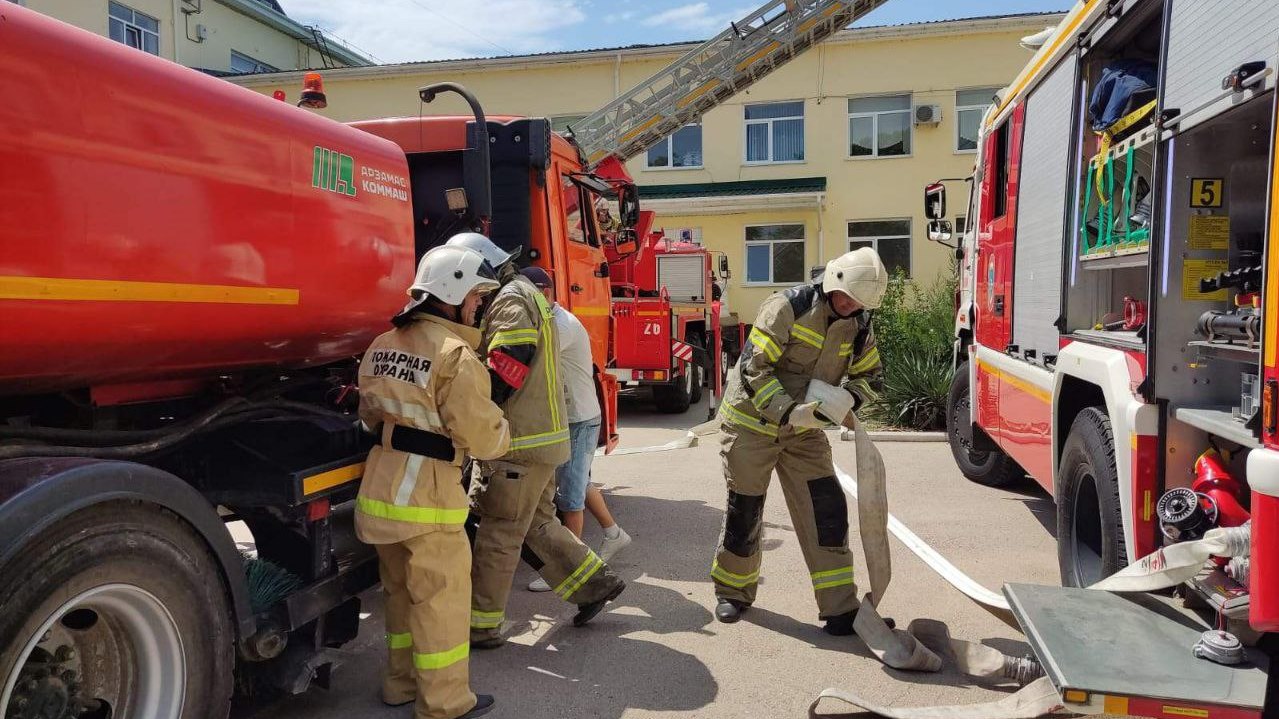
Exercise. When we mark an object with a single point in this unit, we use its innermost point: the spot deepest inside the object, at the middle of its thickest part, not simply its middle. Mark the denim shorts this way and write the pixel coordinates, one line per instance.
(572, 477)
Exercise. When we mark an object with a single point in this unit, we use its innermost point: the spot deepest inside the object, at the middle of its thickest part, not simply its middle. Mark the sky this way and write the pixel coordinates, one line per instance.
(410, 30)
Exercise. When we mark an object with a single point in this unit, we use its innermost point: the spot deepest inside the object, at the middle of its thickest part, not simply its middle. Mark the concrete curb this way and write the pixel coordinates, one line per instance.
(847, 436)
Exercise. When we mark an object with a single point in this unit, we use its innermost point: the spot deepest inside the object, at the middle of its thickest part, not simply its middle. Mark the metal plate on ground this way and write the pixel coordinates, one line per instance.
(1129, 645)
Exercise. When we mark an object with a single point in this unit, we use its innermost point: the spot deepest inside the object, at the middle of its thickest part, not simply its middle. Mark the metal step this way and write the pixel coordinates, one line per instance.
(1132, 654)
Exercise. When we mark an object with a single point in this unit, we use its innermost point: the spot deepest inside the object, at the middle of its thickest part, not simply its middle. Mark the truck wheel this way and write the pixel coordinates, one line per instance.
(677, 396)
(991, 468)
(118, 611)
(1090, 527)
(697, 369)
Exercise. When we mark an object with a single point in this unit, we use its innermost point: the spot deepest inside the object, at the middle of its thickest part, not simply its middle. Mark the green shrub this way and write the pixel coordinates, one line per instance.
(915, 330)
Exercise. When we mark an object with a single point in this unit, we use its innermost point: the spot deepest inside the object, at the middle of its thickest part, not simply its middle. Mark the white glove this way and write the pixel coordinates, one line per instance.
(806, 415)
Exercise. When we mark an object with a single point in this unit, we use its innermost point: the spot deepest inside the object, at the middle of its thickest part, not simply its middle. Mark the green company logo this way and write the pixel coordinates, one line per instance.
(333, 171)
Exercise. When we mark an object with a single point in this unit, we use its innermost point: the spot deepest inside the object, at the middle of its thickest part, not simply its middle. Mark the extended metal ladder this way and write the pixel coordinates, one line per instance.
(711, 73)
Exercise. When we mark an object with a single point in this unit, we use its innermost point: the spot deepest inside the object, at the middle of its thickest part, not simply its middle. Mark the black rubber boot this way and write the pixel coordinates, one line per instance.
(483, 705)
(729, 611)
(587, 612)
(841, 625)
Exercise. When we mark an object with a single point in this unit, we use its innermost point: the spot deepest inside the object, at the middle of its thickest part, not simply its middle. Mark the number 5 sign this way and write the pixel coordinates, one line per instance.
(1206, 191)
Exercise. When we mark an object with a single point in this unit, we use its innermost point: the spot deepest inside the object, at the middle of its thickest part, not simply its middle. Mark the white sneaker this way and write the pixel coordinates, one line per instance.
(610, 547)
(539, 585)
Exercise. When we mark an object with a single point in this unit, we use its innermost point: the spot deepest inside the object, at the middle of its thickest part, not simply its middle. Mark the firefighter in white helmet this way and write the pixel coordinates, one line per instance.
(809, 362)
(424, 390)
(517, 504)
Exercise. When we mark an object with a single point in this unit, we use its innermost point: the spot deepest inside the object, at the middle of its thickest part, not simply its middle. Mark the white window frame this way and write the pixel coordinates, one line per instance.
(142, 32)
(769, 121)
(259, 66)
(747, 244)
(875, 239)
(669, 140)
(874, 130)
(981, 110)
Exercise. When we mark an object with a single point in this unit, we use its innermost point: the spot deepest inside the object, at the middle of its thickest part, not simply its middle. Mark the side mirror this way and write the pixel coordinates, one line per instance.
(628, 208)
(625, 242)
(939, 231)
(723, 267)
(935, 201)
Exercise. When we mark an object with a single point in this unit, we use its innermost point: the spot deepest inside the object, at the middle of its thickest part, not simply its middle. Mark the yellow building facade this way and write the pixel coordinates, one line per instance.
(830, 152)
(220, 36)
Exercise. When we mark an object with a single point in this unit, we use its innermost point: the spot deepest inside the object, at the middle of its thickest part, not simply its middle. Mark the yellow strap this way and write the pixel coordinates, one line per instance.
(509, 338)
(529, 441)
(831, 573)
(440, 660)
(866, 363)
(807, 336)
(586, 566)
(1107, 137)
(572, 589)
(486, 620)
(845, 349)
(833, 583)
(399, 641)
(415, 515)
(741, 419)
(766, 393)
(723, 576)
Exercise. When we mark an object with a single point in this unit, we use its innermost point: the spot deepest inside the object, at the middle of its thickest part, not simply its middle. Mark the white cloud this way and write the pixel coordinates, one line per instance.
(409, 30)
(695, 19)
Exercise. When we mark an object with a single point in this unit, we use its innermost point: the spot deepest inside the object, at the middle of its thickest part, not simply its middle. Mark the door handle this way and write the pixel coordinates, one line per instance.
(576, 287)
(999, 304)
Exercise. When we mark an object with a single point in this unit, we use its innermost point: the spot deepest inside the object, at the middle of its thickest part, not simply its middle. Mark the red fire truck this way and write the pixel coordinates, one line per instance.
(190, 270)
(1118, 331)
(666, 320)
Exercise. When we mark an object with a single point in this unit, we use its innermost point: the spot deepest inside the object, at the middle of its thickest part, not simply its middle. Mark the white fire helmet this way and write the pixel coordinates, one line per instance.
(860, 274)
(449, 274)
(495, 255)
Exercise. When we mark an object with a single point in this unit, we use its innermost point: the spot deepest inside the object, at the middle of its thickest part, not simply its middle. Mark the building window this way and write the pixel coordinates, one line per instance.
(879, 126)
(683, 148)
(970, 105)
(774, 254)
(775, 132)
(242, 64)
(560, 124)
(132, 28)
(889, 238)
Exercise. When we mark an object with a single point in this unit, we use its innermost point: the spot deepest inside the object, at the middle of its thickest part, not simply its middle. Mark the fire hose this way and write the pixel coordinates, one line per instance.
(923, 644)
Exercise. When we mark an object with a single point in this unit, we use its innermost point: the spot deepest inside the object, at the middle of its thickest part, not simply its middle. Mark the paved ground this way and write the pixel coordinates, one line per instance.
(659, 650)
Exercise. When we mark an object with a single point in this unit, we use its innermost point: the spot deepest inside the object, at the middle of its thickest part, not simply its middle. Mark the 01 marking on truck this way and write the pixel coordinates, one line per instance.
(333, 171)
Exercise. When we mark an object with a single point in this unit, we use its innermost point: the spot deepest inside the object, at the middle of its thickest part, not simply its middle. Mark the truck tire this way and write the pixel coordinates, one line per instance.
(1090, 526)
(677, 397)
(697, 368)
(991, 468)
(132, 588)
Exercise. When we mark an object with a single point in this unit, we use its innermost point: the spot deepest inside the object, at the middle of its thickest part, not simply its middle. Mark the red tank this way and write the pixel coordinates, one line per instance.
(158, 223)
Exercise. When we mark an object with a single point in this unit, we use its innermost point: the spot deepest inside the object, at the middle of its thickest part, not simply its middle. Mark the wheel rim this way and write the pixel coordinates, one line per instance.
(1085, 545)
(109, 653)
(961, 412)
(689, 374)
(723, 364)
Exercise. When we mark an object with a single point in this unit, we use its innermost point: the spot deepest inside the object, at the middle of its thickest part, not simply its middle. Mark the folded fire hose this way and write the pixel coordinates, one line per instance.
(924, 643)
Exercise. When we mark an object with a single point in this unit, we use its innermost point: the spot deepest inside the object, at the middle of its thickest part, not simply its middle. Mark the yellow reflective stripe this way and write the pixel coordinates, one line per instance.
(723, 576)
(833, 584)
(746, 421)
(530, 441)
(552, 378)
(446, 658)
(486, 620)
(416, 515)
(845, 349)
(507, 338)
(599, 563)
(399, 641)
(765, 344)
(766, 393)
(807, 336)
(588, 565)
(832, 578)
(866, 363)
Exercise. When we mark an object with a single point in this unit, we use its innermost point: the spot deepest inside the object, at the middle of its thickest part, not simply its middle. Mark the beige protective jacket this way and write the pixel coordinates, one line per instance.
(793, 341)
(426, 378)
(522, 351)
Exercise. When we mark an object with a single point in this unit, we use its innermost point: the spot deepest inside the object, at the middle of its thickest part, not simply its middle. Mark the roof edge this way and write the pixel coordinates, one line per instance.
(847, 35)
(297, 31)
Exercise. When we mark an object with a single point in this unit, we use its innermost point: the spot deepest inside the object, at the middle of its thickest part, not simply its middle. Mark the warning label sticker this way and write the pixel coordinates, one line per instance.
(395, 365)
(1209, 232)
(1194, 270)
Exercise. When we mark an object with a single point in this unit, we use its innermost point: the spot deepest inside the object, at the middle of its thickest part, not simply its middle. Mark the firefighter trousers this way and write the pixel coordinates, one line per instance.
(818, 511)
(517, 507)
(427, 584)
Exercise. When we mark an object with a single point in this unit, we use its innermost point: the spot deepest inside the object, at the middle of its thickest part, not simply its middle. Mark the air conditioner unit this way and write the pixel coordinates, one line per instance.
(927, 114)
